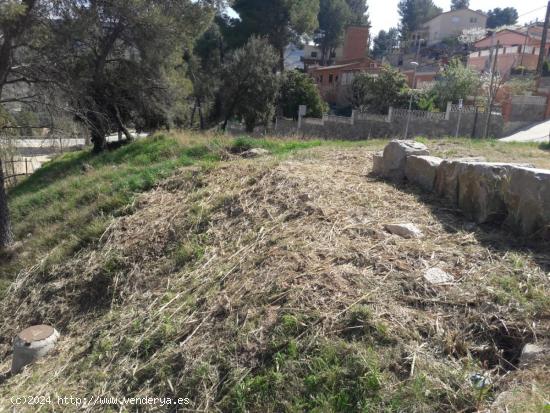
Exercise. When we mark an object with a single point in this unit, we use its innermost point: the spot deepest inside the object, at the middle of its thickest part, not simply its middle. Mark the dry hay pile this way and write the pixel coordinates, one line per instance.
(211, 277)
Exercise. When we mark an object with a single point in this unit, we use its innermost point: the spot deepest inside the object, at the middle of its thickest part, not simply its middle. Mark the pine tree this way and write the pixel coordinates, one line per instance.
(414, 13)
(359, 12)
(460, 4)
(281, 21)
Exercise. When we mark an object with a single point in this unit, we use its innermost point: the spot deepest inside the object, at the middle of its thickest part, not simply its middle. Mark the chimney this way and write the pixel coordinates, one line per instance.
(356, 42)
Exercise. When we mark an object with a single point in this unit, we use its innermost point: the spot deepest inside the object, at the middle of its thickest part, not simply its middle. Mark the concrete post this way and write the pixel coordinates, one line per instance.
(353, 116)
(390, 114)
(448, 111)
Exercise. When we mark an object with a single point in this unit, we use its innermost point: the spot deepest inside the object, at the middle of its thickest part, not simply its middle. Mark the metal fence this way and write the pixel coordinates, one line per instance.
(16, 168)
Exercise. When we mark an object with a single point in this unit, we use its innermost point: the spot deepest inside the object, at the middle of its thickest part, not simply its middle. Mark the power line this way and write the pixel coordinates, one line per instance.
(532, 11)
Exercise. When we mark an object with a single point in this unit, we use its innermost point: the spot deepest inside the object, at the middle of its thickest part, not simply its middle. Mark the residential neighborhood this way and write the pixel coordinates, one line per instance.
(329, 206)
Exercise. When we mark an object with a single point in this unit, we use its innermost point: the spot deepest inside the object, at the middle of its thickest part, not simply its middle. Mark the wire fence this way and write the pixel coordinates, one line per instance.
(13, 169)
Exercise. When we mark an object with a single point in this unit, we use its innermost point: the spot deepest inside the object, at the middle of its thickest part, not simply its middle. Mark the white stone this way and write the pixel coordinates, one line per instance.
(437, 276)
(421, 170)
(31, 344)
(395, 157)
(254, 153)
(404, 230)
(533, 352)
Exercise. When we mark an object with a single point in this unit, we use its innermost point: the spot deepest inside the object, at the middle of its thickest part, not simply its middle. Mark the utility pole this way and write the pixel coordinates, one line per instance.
(413, 86)
(491, 97)
(542, 52)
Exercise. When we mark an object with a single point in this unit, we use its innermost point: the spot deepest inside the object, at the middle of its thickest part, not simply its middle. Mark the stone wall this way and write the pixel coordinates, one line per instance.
(514, 195)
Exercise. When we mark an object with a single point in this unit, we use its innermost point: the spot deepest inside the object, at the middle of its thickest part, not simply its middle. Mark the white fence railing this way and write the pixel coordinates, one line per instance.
(418, 114)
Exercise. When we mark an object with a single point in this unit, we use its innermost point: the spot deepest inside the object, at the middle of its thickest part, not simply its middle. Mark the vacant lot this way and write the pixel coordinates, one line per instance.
(269, 284)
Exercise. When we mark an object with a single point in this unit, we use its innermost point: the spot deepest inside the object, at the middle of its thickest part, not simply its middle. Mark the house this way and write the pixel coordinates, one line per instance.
(348, 59)
(449, 25)
(518, 47)
(355, 46)
(333, 81)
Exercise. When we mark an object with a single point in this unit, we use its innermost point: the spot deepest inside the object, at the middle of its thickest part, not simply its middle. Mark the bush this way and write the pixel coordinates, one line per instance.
(299, 89)
(456, 82)
(377, 93)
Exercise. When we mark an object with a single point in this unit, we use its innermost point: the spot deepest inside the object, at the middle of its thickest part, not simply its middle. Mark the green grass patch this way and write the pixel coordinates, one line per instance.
(68, 203)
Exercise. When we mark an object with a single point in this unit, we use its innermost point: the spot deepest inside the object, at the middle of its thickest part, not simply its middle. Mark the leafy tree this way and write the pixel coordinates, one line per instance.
(460, 4)
(125, 58)
(333, 17)
(385, 42)
(456, 82)
(250, 84)
(281, 21)
(359, 12)
(377, 93)
(297, 89)
(502, 17)
(204, 66)
(19, 22)
(414, 13)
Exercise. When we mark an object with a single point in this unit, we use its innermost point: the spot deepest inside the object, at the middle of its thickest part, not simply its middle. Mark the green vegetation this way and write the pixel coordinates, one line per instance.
(299, 89)
(377, 93)
(235, 294)
(70, 201)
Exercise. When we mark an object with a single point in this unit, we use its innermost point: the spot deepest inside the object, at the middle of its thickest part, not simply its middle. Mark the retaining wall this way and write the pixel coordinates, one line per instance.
(514, 195)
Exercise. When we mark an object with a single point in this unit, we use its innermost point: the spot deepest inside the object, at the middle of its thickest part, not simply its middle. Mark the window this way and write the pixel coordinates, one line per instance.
(313, 54)
(321, 79)
(473, 19)
(330, 78)
(455, 19)
(336, 79)
(373, 65)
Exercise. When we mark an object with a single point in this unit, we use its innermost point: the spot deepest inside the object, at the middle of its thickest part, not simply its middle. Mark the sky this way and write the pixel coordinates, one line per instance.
(383, 13)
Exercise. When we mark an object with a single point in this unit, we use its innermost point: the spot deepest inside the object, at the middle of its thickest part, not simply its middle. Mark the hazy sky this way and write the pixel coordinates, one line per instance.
(383, 13)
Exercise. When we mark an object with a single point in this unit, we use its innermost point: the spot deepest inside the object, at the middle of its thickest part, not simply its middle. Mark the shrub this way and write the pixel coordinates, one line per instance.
(299, 89)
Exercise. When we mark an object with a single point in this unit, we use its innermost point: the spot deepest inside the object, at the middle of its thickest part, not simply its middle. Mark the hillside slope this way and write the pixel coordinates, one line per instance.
(269, 285)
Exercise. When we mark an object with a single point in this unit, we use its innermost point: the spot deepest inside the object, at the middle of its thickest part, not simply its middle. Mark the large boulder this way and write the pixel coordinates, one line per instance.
(421, 170)
(395, 157)
(480, 191)
(527, 199)
(446, 180)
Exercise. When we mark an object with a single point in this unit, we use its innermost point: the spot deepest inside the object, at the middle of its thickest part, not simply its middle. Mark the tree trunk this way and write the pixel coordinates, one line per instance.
(6, 236)
(282, 59)
(201, 118)
(121, 126)
(192, 121)
(98, 132)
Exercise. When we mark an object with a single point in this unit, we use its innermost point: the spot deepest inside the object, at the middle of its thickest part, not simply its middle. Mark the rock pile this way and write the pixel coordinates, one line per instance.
(514, 194)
